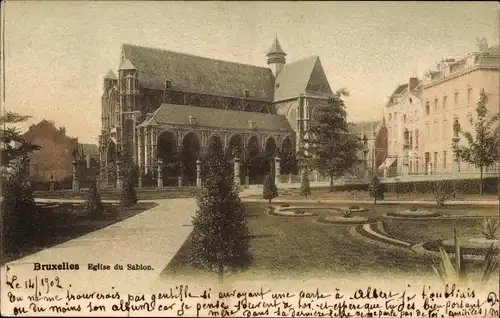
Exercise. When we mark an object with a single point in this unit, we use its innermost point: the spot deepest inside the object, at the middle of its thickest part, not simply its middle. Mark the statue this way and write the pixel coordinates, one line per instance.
(456, 127)
(236, 152)
(482, 44)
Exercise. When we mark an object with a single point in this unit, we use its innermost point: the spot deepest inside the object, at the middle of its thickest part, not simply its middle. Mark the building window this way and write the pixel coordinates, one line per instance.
(390, 116)
(427, 108)
(445, 100)
(435, 160)
(416, 139)
(436, 106)
(168, 84)
(469, 96)
(456, 99)
(444, 159)
(410, 100)
(411, 139)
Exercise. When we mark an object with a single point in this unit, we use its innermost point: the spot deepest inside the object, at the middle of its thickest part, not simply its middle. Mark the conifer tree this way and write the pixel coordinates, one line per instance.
(93, 204)
(376, 189)
(305, 187)
(220, 235)
(270, 190)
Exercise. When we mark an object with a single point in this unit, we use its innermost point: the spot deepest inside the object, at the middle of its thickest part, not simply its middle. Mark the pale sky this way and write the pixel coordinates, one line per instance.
(58, 52)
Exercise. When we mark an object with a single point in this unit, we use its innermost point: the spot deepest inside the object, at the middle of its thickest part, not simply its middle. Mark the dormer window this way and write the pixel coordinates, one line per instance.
(192, 120)
(246, 93)
(168, 84)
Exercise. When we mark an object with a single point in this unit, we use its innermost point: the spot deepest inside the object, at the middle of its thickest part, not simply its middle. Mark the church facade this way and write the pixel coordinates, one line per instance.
(165, 104)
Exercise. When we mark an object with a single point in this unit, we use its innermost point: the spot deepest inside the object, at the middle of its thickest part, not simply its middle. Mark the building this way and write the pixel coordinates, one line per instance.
(373, 135)
(425, 111)
(402, 113)
(451, 94)
(169, 104)
(54, 158)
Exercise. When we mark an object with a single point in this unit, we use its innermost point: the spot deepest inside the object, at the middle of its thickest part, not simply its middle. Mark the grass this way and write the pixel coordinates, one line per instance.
(291, 247)
(61, 222)
(323, 193)
(114, 194)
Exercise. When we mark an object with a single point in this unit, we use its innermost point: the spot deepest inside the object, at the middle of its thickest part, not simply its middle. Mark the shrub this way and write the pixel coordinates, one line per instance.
(19, 210)
(457, 273)
(270, 190)
(442, 190)
(299, 211)
(128, 195)
(490, 228)
(414, 208)
(93, 205)
(377, 189)
(305, 187)
(220, 235)
(286, 205)
(346, 214)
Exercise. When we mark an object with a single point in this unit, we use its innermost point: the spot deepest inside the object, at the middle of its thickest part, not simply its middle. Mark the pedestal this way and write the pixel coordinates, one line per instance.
(119, 178)
(290, 177)
(76, 183)
(160, 174)
(179, 181)
(456, 161)
(140, 181)
(277, 170)
(198, 173)
(237, 179)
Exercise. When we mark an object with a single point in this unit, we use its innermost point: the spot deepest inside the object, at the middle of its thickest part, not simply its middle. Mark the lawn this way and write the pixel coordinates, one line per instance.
(284, 247)
(61, 222)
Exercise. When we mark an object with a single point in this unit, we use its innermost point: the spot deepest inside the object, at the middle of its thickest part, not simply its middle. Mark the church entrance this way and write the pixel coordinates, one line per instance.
(191, 147)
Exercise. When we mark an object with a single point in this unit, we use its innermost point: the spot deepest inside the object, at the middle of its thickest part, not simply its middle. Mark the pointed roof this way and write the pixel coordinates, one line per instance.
(199, 74)
(301, 77)
(110, 75)
(127, 65)
(276, 48)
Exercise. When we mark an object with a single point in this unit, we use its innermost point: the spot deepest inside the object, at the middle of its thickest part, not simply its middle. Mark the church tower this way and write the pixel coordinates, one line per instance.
(276, 56)
(128, 88)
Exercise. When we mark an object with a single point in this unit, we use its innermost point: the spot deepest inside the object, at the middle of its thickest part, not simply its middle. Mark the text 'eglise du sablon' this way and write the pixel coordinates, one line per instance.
(66, 266)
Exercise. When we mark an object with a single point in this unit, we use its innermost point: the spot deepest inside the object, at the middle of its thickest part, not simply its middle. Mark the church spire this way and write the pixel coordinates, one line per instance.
(276, 56)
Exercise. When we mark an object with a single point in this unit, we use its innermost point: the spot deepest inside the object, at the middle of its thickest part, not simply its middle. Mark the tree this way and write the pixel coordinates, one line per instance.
(220, 235)
(482, 150)
(270, 190)
(128, 195)
(334, 150)
(305, 188)
(93, 205)
(376, 189)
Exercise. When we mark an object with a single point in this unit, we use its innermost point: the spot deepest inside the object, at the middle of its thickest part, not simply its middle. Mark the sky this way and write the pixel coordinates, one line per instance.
(56, 53)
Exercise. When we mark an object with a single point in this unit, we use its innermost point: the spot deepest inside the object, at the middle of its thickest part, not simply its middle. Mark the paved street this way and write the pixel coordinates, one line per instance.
(150, 238)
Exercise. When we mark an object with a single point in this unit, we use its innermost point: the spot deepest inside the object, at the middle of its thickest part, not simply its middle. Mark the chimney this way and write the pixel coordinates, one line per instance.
(412, 83)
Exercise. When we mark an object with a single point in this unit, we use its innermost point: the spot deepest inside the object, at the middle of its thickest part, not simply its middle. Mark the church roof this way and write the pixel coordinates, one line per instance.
(301, 77)
(127, 65)
(199, 74)
(216, 118)
(110, 75)
(276, 47)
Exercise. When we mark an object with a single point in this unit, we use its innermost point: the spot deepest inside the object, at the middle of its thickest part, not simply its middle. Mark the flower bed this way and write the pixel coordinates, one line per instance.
(343, 220)
(290, 211)
(414, 214)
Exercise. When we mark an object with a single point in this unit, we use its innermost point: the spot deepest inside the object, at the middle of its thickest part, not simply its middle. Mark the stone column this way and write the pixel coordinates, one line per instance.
(119, 178)
(160, 174)
(198, 173)
(237, 179)
(146, 149)
(139, 150)
(76, 184)
(277, 169)
(456, 161)
(406, 150)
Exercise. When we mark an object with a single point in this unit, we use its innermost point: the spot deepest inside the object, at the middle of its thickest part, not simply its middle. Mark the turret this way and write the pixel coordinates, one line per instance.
(276, 56)
(109, 80)
(128, 86)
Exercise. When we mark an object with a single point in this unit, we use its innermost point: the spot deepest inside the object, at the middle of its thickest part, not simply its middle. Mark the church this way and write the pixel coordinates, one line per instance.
(165, 104)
